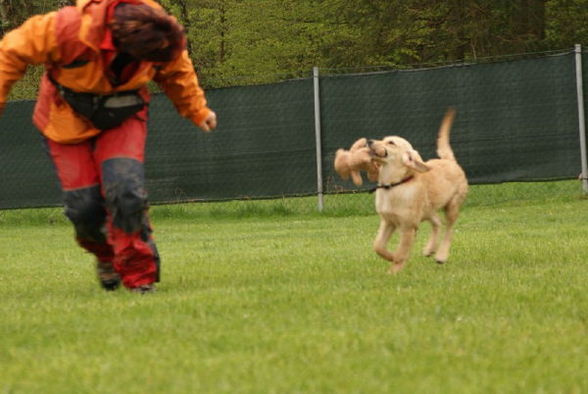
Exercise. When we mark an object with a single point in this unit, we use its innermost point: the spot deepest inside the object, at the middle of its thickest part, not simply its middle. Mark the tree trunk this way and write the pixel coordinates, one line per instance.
(3, 18)
(223, 21)
(185, 16)
(531, 19)
(459, 21)
(538, 25)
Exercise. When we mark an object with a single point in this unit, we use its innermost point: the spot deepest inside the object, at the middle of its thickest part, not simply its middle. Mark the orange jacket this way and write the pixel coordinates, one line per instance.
(68, 43)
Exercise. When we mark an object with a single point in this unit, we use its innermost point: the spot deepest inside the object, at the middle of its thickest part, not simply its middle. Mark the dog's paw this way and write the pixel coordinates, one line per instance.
(440, 261)
(395, 268)
(441, 256)
(427, 252)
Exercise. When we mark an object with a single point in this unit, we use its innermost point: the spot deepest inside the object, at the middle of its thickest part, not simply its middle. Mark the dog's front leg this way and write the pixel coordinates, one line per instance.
(380, 243)
(401, 254)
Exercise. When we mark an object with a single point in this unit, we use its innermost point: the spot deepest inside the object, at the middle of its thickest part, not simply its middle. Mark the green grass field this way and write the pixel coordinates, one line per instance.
(271, 297)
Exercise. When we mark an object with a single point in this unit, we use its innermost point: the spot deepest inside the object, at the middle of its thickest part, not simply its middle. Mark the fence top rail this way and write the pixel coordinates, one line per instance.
(439, 65)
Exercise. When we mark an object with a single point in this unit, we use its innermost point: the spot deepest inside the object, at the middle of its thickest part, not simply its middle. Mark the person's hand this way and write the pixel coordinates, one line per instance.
(209, 123)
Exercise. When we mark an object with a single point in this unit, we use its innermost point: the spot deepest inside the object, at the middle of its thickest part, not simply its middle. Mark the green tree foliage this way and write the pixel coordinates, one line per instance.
(252, 41)
(566, 23)
(235, 42)
(399, 32)
(14, 12)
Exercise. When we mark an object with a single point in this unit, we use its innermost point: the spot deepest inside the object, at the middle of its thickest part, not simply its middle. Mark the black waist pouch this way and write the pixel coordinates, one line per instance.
(103, 111)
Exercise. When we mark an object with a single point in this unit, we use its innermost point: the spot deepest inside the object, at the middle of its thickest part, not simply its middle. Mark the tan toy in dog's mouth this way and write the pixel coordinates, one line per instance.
(350, 163)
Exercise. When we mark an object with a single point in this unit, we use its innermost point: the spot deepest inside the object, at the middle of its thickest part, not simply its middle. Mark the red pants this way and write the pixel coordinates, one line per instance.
(104, 193)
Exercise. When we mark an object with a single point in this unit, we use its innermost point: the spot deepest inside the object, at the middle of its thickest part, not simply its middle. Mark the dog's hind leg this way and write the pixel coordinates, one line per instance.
(380, 243)
(431, 246)
(451, 214)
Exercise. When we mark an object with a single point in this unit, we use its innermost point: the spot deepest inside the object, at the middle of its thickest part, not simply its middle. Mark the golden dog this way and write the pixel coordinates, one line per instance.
(410, 191)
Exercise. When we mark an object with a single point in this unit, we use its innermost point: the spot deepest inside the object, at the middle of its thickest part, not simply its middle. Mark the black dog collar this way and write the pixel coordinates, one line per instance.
(391, 185)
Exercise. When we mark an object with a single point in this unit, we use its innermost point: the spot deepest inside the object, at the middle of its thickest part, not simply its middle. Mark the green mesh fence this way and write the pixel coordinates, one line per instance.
(27, 178)
(517, 121)
(264, 146)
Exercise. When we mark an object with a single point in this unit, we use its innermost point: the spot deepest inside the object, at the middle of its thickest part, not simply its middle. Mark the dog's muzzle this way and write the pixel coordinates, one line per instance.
(373, 151)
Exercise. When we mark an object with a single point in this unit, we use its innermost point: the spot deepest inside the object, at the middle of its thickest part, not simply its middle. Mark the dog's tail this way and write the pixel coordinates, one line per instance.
(443, 148)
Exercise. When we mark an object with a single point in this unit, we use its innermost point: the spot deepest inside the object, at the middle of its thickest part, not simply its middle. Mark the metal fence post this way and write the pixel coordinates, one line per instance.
(581, 116)
(317, 134)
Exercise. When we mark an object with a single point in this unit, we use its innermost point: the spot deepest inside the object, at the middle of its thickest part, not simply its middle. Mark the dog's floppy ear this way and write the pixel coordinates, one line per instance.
(413, 160)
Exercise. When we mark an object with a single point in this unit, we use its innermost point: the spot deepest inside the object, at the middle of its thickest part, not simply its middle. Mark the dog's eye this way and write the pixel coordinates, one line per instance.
(391, 143)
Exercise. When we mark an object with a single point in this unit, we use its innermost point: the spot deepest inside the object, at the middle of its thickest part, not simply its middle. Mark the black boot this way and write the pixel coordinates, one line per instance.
(144, 289)
(108, 277)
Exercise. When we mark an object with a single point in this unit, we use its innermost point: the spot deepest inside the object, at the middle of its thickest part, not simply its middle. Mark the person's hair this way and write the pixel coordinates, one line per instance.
(147, 33)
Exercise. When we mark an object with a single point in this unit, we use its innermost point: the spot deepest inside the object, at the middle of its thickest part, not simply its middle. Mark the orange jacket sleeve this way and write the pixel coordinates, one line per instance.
(179, 81)
(34, 42)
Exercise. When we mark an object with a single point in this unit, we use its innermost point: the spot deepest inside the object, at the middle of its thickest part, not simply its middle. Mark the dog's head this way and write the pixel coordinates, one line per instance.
(397, 157)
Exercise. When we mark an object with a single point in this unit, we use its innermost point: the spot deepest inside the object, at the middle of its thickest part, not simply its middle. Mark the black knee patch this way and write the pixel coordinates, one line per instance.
(85, 208)
(124, 191)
